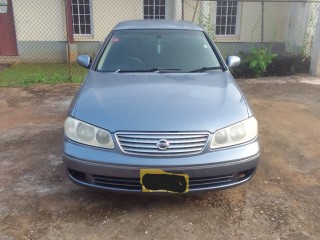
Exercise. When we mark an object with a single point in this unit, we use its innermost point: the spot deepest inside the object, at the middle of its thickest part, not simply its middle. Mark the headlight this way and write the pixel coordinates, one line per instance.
(236, 134)
(87, 134)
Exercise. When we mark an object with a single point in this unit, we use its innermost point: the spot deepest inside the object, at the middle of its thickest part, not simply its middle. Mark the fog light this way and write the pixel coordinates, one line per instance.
(241, 176)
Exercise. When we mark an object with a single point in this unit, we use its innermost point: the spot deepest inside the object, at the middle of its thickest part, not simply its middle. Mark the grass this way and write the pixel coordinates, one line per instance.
(26, 74)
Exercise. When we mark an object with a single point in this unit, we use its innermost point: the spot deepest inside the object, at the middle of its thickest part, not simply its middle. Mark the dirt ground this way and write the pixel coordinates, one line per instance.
(37, 200)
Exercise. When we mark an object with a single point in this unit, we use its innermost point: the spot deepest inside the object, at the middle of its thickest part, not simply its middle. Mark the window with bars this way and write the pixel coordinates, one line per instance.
(227, 18)
(81, 17)
(154, 9)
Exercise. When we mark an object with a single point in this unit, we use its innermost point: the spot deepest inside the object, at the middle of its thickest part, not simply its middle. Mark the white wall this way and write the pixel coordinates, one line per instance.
(249, 21)
(106, 14)
(315, 53)
(297, 24)
(39, 20)
(44, 20)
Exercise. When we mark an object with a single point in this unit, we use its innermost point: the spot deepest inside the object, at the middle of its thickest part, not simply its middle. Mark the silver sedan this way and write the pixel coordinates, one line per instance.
(159, 111)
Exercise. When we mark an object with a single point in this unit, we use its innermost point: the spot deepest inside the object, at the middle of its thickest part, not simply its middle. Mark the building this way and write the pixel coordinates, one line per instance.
(37, 30)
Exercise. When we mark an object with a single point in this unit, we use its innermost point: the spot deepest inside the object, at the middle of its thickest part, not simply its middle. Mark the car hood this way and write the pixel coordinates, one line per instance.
(160, 101)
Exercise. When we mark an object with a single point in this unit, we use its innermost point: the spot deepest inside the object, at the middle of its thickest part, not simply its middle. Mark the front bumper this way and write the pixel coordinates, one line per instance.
(115, 171)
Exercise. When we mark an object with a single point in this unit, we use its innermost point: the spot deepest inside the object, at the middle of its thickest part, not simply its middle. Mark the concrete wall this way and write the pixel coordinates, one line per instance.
(39, 20)
(315, 56)
(42, 51)
(41, 29)
(249, 20)
(297, 25)
(230, 48)
(53, 51)
(276, 16)
(106, 14)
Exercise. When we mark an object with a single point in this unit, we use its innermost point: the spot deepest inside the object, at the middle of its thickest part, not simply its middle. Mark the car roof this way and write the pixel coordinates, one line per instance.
(157, 24)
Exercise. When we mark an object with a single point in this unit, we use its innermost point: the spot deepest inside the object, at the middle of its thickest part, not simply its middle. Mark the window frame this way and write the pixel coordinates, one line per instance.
(91, 20)
(4, 6)
(237, 25)
(154, 6)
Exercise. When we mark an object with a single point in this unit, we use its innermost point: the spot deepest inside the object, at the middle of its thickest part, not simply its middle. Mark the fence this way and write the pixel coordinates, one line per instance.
(56, 31)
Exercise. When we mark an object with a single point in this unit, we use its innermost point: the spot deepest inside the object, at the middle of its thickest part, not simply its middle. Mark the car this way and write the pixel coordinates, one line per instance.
(160, 112)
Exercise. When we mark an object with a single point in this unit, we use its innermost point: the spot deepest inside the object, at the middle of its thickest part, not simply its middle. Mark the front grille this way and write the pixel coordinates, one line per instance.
(133, 184)
(146, 143)
(116, 182)
(207, 182)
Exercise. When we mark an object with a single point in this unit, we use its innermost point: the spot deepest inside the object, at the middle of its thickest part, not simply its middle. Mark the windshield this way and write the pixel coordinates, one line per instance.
(156, 50)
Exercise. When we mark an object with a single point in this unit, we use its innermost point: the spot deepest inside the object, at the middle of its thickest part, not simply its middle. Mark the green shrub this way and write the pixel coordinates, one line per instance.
(284, 64)
(259, 59)
(288, 63)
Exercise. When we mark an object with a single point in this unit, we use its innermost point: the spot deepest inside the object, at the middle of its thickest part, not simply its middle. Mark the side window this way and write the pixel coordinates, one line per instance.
(3, 6)
(154, 9)
(81, 17)
(227, 18)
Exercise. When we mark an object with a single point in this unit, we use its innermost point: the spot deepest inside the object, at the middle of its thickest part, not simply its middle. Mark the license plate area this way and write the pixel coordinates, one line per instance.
(156, 180)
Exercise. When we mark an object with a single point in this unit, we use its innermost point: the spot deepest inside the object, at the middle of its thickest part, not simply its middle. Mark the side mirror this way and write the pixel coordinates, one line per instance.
(84, 61)
(233, 61)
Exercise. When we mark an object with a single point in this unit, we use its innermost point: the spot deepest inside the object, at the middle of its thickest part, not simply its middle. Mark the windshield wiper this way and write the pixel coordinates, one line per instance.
(159, 70)
(206, 69)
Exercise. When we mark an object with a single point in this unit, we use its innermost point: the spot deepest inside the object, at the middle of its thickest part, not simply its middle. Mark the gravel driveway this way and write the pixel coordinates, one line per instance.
(281, 202)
